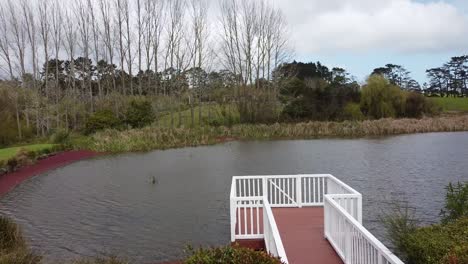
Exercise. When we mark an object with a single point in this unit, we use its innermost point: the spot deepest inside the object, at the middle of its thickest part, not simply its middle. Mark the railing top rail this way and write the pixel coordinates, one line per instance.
(346, 186)
(275, 231)
(248, 198)
(279, 176)
(371, 238)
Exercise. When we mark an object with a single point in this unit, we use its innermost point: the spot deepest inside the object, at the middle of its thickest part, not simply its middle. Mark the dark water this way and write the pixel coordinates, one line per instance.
(109, 206)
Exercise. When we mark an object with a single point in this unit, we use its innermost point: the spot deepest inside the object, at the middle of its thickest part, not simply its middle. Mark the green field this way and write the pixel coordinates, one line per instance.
(8, 153)
(452, 103)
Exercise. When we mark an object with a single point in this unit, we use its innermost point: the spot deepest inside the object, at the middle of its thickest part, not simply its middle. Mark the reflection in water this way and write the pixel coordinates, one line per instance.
(147, 207)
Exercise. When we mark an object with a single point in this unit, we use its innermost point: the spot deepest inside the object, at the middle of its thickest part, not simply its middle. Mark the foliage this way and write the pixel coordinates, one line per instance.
(101, 120)
(13, 248)
(352, 111)
(257, 105)
(10, 235)
(438, 244)
(316, 99)
(444, 243)
(140, 113)
(380, 99)
(399, 225)
(60, 136)
(229, 255)
(153, 137)
(456, 202)
(416, 104)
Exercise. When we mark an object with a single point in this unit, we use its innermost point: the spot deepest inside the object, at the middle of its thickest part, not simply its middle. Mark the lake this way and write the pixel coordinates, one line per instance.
(109, 205)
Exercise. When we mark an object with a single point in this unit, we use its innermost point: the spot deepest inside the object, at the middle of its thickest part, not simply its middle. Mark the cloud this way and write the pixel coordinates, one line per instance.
(372, 25)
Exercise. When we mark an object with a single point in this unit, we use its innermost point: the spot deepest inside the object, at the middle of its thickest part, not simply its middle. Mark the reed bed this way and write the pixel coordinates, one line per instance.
(151, 138)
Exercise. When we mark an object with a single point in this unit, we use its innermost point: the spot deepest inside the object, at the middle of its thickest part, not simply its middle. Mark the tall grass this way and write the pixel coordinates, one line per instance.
(150, 138)
(13, 248)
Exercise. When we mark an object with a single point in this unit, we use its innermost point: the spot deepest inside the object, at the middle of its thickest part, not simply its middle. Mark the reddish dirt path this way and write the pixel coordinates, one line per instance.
(301, 231)
(11, 180)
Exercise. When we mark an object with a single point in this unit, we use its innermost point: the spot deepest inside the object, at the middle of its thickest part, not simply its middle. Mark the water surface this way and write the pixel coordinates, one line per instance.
(109, 206)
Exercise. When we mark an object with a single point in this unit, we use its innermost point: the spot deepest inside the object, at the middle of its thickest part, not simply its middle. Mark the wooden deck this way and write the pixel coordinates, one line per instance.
(301, 230)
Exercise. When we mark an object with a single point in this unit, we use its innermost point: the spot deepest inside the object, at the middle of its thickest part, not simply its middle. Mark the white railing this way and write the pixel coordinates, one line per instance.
(352, 242)
(272, 238)
(252, 198)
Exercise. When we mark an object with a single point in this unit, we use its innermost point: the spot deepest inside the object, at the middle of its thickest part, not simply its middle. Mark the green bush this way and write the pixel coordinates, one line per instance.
(140, 114)
(352, 111)
(60, 137)
(229, 255)
(380, 99)
(456, 202)
(101, 120)
(439, 244)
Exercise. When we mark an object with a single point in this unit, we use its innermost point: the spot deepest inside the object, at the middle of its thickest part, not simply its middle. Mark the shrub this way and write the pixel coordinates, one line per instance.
(415, 105)
(439, 244)
(229, 255)
(352, 111)
(11, 237)
(399, 225)
(13, 249)
(102, 119)
(380, 99)
(60, 137)
(140, 114)
(456, 202)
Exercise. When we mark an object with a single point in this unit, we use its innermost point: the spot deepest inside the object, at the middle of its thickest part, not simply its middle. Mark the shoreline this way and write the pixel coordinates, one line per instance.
(10, 180)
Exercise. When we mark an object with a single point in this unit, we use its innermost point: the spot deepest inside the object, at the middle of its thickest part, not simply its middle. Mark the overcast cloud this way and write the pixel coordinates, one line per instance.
(400, 26)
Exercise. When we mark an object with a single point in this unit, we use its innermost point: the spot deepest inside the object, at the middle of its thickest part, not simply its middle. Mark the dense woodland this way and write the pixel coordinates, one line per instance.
(87, 65)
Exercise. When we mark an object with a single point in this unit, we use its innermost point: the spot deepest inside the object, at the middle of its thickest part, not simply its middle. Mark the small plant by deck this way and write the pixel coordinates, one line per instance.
(13, 248)
(229, 255)
(445, 243)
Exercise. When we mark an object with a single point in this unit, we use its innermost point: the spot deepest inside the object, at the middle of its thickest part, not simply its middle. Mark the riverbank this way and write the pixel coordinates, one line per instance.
(153, 137)
(11, 180)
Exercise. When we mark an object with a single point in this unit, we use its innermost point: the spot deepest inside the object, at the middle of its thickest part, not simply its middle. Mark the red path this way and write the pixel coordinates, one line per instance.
(301, 230)
(11, 180)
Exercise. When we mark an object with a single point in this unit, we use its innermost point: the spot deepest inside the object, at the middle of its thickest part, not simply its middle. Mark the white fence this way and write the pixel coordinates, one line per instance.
(252, 198)
(352, 242)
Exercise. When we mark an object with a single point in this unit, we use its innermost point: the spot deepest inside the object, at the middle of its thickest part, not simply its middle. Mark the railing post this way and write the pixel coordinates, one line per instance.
(348, 246)
(299, 190)
(325, 217)
(359, 209)
(265, 188)
(233, 219)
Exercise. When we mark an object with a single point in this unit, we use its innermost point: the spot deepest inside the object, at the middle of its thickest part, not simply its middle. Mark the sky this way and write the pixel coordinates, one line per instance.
(360, 35)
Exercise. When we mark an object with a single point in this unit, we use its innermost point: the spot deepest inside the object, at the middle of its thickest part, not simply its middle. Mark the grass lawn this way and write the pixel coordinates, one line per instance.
(452, 103)
(8, 153)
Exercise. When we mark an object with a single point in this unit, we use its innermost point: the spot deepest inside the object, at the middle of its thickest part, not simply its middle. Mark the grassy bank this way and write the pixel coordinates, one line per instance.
(8, 153)
(153, 137)
(451, 104)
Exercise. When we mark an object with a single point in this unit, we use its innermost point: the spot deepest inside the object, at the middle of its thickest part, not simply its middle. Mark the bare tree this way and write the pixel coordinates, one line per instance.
(108, 36)
(5, 42)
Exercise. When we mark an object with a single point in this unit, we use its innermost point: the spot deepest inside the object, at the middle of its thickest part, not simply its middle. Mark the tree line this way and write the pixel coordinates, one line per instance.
(63, 58)
(451, 79)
